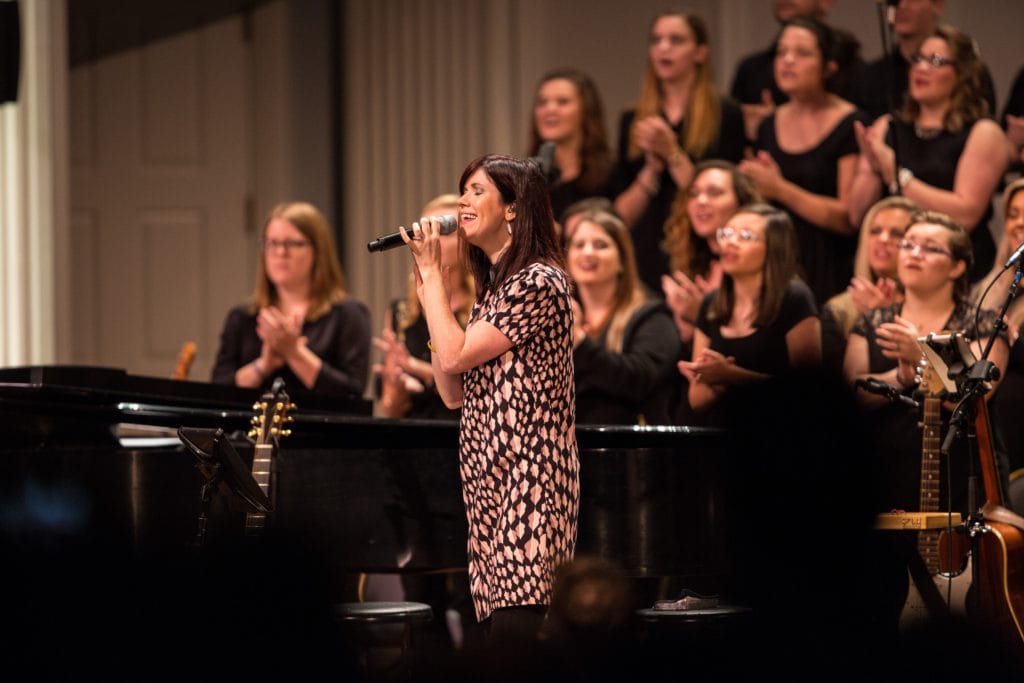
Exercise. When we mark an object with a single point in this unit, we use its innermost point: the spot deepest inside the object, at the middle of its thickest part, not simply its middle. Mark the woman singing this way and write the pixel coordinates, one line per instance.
(511, 371)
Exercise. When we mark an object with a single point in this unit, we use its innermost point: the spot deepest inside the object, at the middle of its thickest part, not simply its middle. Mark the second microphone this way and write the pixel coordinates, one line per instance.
(449, 224)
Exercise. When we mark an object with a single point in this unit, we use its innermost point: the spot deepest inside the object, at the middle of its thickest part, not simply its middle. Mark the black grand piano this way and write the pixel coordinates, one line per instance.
(93, 450)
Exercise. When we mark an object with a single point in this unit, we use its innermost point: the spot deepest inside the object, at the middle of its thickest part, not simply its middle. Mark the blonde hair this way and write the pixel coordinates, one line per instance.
(704, 106)
(861, 263)
(1015, 314)
(409, 310)
(629, 295)
(327, 281)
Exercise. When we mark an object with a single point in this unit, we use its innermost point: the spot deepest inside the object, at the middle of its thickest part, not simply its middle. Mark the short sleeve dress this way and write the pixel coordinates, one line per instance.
(517, 444)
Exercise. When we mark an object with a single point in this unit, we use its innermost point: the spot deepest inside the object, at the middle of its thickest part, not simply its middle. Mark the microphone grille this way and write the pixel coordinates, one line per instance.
(449, 224)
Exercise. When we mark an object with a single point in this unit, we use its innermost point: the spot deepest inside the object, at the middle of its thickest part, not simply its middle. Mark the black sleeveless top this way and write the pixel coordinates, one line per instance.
(825, 256)
(934, 161)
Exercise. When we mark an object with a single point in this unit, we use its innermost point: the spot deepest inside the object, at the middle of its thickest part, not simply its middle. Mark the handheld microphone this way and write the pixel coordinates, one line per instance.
(449, 224)
(1015, 256)
(545, 161)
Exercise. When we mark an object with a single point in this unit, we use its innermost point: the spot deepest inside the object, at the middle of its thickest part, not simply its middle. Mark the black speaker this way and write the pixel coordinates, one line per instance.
(10, 50)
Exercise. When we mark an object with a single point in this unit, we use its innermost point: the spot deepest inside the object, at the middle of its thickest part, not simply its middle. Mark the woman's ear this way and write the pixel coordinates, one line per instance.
(510, 212)
(958, 270)
(831, 69)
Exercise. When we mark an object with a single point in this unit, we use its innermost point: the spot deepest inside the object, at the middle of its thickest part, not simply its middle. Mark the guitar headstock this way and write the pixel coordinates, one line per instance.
(272, 413)
(930, 384)
(185, 358)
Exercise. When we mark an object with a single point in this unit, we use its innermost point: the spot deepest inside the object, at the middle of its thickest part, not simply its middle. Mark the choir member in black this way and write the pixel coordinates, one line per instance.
(807, 153)
(874, 282)
(881, 86)
(299, 324)
(951, 156)
(625, 344)
(567, 111)
(1013, 121)
(679, 120)
(1007, 402)
(717, 190)
(753, 84)
(935, 257)
(762, 321)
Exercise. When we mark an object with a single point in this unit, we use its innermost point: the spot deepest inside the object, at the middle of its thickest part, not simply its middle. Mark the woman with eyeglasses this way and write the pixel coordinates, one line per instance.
(711, 198)
(942, 150)
(874, 283)
(934, 259)
(299, 323)
(762, 320)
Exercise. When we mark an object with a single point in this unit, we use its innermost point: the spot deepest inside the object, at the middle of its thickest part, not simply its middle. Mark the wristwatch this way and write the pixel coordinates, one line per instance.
(903, 177)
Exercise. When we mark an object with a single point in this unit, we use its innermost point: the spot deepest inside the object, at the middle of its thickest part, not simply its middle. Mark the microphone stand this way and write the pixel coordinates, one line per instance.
(885, 29)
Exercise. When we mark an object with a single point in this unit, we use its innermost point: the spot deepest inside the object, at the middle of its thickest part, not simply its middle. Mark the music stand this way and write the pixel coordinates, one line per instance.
(224, 470)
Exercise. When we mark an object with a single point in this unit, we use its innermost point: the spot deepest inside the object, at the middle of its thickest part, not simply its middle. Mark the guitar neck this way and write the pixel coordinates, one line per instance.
(261, 464)
(928, 541)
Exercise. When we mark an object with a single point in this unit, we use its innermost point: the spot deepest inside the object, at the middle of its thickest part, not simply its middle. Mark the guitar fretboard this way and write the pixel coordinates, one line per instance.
(255, 521)
(928, 541)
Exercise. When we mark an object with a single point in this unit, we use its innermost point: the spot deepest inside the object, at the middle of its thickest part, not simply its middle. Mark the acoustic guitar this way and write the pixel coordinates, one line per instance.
(272, 413)
(940, 581)
(999, 589)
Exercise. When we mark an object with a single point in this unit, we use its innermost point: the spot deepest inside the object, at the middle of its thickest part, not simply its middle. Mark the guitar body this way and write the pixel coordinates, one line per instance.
(946, 592)
(999, 600)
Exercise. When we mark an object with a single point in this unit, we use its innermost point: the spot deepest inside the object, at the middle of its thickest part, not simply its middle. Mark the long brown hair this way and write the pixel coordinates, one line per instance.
(533, 229)
(704, 106)
(780, 268)
(327, 281)
(595, 154)
(686, 253)
(967, 102)
(629, 295)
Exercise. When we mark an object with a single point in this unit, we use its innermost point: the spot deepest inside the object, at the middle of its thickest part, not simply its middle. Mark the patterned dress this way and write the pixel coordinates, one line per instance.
(517, 444)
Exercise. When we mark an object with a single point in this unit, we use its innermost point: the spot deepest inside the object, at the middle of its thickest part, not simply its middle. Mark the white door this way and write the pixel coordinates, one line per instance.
(162, 245)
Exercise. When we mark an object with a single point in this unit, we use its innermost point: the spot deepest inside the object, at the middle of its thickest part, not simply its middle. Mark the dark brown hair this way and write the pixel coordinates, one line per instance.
(521, 182)
(780, 267)
(595, 154)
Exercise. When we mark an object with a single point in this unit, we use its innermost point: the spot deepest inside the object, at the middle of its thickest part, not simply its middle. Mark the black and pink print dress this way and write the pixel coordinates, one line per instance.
(517, 444)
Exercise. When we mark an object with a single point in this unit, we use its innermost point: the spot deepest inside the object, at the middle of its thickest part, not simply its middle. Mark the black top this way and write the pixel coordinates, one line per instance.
(426, 405)
(826, 256)
(1015, 106)
(755, 74)
(896, 427)
(564, 195)
(649, 230)
(1005, 407)
(934, 161)
(340, 338)
(619, 388)
(868, 89)
(765, 349)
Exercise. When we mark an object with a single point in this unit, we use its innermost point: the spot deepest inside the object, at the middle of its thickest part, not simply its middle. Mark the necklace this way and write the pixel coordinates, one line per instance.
(924, 133)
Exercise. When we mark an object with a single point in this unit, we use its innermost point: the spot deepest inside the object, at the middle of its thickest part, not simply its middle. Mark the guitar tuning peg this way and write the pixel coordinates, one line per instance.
(254, 420)
(256, 405)
(286, 432)
(277, 419)
(289, 418)
(293, 407)
(252, 434)
(279, 406)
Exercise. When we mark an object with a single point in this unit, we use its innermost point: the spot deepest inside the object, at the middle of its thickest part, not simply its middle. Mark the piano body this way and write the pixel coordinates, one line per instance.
(365, 493)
